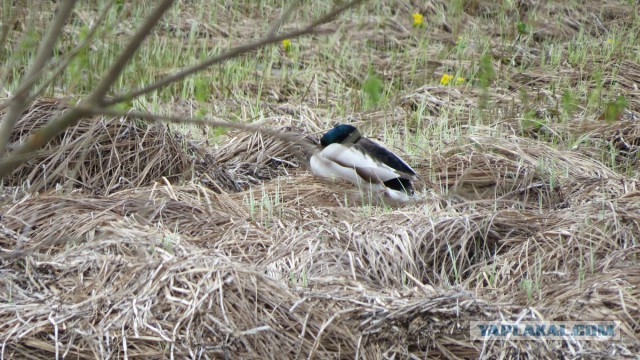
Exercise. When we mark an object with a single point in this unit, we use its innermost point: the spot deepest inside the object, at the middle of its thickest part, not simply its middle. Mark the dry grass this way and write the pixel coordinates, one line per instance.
(101, 155)
(128, 240)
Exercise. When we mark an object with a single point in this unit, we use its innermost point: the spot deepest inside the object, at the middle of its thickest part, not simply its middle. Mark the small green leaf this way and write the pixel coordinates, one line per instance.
(530, 120)
(522, 28)
(119, 5)
(201, 90)
(569, 102)
(202, 112)
(123, 106)
(219, 131)
(486, 73)
(373, 88)
(614, 109)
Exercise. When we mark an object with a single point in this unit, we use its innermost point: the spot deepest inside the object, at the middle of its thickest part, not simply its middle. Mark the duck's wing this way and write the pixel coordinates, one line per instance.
(365, 166)
(379, 152)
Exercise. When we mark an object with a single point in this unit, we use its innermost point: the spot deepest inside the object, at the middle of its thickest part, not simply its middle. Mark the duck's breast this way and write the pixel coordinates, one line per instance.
(323, 167)
(364, 165)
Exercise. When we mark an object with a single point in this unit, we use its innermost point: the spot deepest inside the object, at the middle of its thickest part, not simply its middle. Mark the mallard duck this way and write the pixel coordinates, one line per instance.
(348, 155)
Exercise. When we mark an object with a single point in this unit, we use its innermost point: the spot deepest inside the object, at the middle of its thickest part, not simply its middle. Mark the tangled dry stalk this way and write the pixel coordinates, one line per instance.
(131, 240)
(190, 269)
(101, 155)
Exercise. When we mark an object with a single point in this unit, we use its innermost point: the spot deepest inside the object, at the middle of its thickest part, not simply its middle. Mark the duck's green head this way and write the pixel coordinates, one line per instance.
(341, 134)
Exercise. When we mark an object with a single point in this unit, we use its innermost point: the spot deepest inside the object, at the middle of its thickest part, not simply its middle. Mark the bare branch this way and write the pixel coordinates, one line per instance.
(18, 103)
(97, 96)
(83, 110)
(4, 26)
(285, 14)
(242, 49)
(42, 136)
(95, 100)
(59, 66)
(290, 138)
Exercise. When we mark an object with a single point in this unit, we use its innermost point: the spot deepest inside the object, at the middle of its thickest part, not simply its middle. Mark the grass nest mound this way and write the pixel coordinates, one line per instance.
(174, 271)
(100, 155)
(160, 247)
(249, 159)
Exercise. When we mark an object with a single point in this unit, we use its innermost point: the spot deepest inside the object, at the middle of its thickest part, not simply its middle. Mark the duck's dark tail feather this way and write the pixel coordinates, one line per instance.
(399, 184)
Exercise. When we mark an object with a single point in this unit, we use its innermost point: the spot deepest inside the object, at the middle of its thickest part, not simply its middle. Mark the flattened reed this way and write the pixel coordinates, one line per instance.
(135, 255)
(122, 279)
(100, 155)
(313, 269)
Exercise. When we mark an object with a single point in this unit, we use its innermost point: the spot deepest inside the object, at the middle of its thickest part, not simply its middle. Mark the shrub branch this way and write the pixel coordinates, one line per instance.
(19, 103)
(96, 102)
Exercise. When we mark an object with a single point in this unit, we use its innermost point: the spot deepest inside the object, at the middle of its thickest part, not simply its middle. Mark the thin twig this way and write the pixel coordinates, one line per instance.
(242, 49)
(4, 25)
(97, 96)
(291, 138)
(42, 136)
(96, 99)
(83, 110)
(59, 66)
(285, 14)
(18, 103)
(10, 18)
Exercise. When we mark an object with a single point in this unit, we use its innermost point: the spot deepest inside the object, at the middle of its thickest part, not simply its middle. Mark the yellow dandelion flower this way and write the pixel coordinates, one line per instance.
(459, 41)
(445, 79)
(459, 80)
(418, 19)
(286, 45)
(610, 41)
